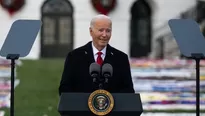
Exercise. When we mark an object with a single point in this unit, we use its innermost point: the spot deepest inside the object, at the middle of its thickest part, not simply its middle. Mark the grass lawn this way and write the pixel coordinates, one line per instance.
(37, 93)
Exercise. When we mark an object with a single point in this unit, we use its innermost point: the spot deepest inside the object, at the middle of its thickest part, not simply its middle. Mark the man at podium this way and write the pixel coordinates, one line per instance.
(96, 78)
(76, 76)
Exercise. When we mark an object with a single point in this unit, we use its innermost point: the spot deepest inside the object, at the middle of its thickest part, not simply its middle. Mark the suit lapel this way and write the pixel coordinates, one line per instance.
(109, 55)
(88, 51)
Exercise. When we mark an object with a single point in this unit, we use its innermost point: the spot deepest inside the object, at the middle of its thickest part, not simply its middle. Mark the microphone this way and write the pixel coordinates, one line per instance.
(107, 71)
(94, 71)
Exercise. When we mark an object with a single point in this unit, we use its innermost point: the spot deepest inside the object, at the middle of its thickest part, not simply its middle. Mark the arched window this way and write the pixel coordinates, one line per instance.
(140, 29)
(201, 15)
(57, 28)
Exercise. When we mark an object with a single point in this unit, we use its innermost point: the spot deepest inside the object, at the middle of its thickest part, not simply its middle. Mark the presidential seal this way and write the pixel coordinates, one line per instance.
(100, 102)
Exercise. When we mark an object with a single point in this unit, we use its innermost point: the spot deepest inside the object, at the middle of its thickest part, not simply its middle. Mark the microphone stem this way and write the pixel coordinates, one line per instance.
(100, 86)
(106, 80)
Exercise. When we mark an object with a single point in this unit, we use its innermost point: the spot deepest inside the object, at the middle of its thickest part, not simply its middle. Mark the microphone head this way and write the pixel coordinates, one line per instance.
(94, 69)
(107, 70)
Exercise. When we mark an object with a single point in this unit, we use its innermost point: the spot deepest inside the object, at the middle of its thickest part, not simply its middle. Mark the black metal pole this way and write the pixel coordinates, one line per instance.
(197, 87)
(12, 57)
(12, 87)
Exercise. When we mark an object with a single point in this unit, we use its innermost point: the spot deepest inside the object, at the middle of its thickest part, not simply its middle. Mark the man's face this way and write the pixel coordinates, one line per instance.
(101, 32)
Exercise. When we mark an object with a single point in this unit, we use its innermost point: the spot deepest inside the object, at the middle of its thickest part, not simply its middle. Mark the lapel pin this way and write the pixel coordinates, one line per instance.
(111, 53)
(86, 52)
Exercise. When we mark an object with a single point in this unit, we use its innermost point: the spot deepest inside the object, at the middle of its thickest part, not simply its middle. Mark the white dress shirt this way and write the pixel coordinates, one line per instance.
(95, 51)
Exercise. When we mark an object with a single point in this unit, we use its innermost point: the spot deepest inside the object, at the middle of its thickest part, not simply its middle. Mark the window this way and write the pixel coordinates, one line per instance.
(57, 30)
(140, 29)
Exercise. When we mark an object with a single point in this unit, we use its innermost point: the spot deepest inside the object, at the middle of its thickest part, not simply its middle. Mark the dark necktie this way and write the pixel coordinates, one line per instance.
(99, 58)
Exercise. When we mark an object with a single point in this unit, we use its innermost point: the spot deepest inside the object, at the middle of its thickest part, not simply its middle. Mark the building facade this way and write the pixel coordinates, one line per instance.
(140, 27)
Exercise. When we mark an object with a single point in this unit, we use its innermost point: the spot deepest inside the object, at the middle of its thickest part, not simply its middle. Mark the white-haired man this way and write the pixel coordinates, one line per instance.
(76, 77)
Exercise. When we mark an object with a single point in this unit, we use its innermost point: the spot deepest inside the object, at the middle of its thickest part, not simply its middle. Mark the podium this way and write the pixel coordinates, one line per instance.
(76, 104)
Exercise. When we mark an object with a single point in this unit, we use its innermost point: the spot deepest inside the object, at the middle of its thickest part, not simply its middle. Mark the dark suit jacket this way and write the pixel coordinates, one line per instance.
(76, 77)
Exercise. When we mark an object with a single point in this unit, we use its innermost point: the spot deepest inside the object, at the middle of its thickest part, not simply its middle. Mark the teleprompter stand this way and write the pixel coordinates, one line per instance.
(191, 43)
(18, 43)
